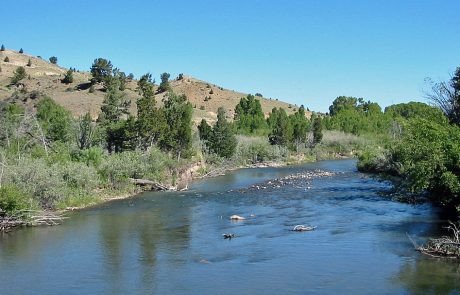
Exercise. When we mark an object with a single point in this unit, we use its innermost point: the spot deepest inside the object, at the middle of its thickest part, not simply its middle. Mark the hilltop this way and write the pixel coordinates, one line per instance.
(44, 79)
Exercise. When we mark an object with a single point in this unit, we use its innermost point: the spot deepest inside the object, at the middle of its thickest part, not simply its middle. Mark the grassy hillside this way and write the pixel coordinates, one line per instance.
(45, 78)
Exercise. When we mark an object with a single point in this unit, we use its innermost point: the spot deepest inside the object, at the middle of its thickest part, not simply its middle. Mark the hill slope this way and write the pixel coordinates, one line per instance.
(44, 78)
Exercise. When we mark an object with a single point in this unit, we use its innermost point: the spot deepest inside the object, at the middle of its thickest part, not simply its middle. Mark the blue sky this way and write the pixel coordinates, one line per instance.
(303, 52)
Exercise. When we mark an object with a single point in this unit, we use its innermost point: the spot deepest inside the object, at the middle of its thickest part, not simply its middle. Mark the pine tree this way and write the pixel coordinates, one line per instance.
(164, 85)
(85, 131)
(2, 48)
(178, 115)
(151, 122)
(29, 63)
(249, 117)
(317, 130)
(101, 70)
(21, 51)
(222, 141)
(204, 130)
(281, 130)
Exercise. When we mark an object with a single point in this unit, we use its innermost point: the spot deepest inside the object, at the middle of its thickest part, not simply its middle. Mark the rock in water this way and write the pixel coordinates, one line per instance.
(237, 217)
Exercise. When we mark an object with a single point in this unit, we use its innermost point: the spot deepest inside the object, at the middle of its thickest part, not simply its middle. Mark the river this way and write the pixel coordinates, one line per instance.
(171, 242)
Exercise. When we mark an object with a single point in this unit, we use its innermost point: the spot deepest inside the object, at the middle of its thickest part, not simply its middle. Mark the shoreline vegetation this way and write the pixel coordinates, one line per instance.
(51, 161)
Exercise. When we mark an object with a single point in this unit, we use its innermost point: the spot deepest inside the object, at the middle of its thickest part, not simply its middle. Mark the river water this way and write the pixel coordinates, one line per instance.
(171, 243)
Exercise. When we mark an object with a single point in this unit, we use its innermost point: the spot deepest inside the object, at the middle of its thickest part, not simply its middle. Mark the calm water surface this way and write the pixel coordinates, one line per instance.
(171, 243)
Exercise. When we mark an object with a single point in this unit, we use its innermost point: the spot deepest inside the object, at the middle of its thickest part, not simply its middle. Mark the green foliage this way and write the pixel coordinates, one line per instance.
(21, 51)
(29, 63)
(68, 77)
(317, 130)
(281, 128)
(13, 200)
(252, 150)
(84, 131)
(7, 59)
(249, 118)
(151, 121)
(413, 110)
(221, 140)
(101, 70)
(258, 94)
(204, 130)
(2, 48)
(55, 120)
(178, 116)
(91, 89)
(122, 78)
(18, 75)
(53, 60)
(427, 158)
(164, 85)
(300, 127)
(114, 105)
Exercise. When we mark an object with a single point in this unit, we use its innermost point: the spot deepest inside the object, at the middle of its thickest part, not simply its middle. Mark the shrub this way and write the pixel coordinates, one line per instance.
(18, 75)
(117, 168)
(7, 59)
(21, 51)
(68, 77)
(53, 60)
(29, 63)
(13, 200)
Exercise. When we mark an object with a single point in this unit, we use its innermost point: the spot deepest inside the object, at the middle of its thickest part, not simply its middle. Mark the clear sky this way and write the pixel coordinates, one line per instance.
(301, 51)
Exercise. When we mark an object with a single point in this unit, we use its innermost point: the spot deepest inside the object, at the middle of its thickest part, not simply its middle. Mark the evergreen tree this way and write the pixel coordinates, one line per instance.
(178, 114)
(281, 132)
(204, 130)
(101, 70)
(18, 75)
(2, 48)
(317, 130)
(68, 77)
(53, 60)
(29, 63)
(222, 140)
(151, 122)
(300, 127)
(21, 51)
(7, 59)
(249, 117)
(164, 85)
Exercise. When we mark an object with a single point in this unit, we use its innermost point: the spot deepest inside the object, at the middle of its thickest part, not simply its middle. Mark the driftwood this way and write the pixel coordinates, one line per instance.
(29, 218)
(149, 183)
(447, 247)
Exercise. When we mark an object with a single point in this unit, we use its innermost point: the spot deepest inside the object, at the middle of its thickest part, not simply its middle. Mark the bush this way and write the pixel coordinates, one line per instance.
(21, 51)
(7, 59)
(18, 75)
(68, 77)
(53, 60)
(29, 63)
(13, 200)
(117, 168)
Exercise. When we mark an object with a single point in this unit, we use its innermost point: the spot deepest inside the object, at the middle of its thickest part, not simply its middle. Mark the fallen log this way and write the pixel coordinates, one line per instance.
(152, 184)
(447, 247)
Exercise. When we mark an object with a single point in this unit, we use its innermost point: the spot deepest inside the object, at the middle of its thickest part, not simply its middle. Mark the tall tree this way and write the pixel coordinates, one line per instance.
(249, 117)
(164, 85)
(300, 127)
(101, 69)
(151, 122)
(204, 130)
(178, 114)
(317, 130)
(281, 131)
(222, 141)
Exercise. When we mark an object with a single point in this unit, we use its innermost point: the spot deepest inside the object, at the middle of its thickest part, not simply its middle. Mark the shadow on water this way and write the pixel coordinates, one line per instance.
(171, 243)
